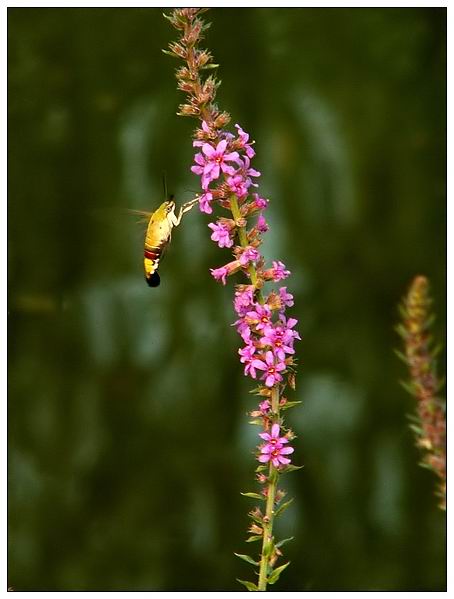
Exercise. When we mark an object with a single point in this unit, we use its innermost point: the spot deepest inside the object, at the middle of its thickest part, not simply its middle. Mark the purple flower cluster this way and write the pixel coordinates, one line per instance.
(275, 448)
(267, 344)
(223, 162)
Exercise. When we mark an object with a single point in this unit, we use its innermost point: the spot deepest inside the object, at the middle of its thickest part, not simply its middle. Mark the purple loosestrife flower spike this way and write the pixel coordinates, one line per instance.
(229, 182)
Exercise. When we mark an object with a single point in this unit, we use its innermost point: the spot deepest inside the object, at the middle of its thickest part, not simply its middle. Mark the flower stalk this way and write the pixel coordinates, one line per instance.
(429, 424)
(223, 163)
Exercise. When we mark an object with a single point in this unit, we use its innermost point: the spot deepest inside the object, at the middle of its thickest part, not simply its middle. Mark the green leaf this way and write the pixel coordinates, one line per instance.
(256, 421)
(291, 468)
(283, 507)
(209, 66)
(283, 542)
(261, 468)
(247, 559)
(253, 538)
(290, 404)
(249, 585)
(274, 576)
(253, 496)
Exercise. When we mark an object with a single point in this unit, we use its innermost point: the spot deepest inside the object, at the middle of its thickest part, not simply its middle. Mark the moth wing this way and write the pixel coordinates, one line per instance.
(143, 214)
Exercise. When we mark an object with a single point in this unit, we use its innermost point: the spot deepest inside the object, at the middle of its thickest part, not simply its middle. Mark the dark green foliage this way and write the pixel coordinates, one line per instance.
(128, 442)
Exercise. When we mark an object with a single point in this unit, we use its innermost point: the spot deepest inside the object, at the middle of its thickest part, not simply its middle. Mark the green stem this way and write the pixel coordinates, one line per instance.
(242, 235)
(273, 474)
(267, 543)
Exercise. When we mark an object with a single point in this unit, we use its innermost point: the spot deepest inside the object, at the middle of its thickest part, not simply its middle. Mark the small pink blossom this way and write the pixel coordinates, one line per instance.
(211, 161)
(205, 202)
(259, 203)
(280, 339)
(286, 298)
(243, 301)
(221, 235)
(247, 358)
(265, 406)
(238, 185)
(249, 172)
(272, 375)
(275, 448)
(249, 254)
(260, 316)
(244, 138)
(262, 225)
(244, 330)
(279, 272)
(288, 324)
(220, 274)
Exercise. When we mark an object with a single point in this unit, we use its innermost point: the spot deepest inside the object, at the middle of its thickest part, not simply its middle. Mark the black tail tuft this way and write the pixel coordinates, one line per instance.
(154, 279)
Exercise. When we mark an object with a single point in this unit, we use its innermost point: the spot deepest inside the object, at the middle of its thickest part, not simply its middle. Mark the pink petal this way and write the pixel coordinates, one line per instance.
(208, 150)
(269, 358)
(275, 430)
(227, 169)
(286, 450)
(231, 156)
(283, 460)
(220, 148)
(276, 462)
(259, 364)
(265, 436)
(264, 457)
(269, 382)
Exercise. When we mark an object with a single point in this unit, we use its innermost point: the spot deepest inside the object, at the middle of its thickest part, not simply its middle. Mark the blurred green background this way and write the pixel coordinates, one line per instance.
(128, 435)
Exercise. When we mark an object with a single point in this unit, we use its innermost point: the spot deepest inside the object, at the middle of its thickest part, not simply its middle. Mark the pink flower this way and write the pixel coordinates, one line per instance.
(249, 172)
(205, 202)
(247, 358)
(280, 339)
(262, 225)
(279, 271)
(259, 203)
(249, 254)
(265, 406)
(274, 449)
(244, 138)
(286, 298)
(272, 375)
(212, 161)
(238, 185)
(243, 301)
(289, 324)
(243, 329)
(220, 274)
(260, 317)
(221, 235)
